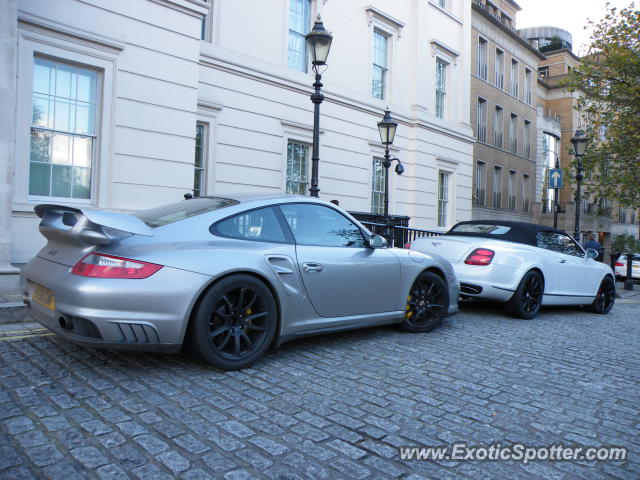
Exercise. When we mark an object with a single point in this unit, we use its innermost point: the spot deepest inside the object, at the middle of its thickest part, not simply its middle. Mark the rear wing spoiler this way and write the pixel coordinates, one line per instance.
(88, 226)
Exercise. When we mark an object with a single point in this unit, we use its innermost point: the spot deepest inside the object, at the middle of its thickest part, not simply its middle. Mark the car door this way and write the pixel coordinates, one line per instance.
(572, 274)
(341, 275)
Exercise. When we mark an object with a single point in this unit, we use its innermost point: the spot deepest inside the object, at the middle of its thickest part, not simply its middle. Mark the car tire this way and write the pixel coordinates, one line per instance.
(605, 298)
(527, 299)
(427, 303)
(234, 323)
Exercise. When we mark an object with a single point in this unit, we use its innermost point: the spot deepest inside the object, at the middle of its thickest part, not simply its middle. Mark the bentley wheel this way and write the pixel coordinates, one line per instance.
(234, 323)
(605, 297)
(427, 303)
(527, 299)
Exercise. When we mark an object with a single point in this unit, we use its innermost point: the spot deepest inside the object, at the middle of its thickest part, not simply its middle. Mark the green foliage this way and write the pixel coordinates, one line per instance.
(624, 243)
(609, 79)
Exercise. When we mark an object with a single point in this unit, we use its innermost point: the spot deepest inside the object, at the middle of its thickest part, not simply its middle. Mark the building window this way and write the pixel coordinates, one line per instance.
(497, 187)
(199, 162)
(550, 146)
(443, 198)
(632, 216)
(527, 86)
(525, 193)
(442, 3)
(441, 83)
(482, 120)
(297, 168)
(512, 189)
(543, 72)
(527, 139)
(380, 64)
(622, 215)
(482, 58)
(206, 22)
(480, 183)
(513, 134)
(514, 78)
(498, 126)
(499, 69)
(377, 186)
(299, 22)
(63, 129)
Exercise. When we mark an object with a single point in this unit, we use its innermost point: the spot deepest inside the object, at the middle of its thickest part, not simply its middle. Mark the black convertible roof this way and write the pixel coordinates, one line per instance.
(520, 232)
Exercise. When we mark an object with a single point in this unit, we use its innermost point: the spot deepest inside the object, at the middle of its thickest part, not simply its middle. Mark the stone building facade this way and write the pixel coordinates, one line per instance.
(503, 113)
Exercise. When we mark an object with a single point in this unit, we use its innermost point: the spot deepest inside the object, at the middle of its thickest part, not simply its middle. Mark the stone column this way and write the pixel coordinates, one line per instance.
(8, 54)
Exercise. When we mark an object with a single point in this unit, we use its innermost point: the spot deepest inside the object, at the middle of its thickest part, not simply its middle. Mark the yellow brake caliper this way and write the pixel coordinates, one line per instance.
(408, 308)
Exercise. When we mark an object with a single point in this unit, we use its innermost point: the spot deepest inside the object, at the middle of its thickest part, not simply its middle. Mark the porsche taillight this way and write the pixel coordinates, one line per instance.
(480, 256)
(101, 265)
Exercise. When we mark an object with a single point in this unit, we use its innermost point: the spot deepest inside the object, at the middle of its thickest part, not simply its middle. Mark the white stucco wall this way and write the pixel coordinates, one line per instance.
(158, 79)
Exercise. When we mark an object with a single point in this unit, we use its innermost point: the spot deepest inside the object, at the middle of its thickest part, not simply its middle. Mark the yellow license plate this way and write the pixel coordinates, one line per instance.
(44, 297)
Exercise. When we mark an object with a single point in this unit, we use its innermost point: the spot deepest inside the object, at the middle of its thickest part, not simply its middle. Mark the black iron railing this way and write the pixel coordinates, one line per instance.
(397, 235)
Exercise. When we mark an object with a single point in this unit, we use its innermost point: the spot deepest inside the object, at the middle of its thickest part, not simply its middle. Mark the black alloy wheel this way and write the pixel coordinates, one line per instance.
(527, 299)
(605, 297)
(427, 303)
(235, 322)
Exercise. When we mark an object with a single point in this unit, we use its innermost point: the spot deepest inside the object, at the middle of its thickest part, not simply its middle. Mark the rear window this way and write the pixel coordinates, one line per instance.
(174, 212)
(488, 228)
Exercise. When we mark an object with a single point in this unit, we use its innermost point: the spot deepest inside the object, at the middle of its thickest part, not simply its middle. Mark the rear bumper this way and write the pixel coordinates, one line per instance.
(491, 282)
(149, 314)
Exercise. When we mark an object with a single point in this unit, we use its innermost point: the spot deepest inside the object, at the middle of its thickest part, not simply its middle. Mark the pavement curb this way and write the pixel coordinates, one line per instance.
(14, 312)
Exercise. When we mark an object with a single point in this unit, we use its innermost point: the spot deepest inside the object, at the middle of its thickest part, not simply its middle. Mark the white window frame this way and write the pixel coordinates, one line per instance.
(208, 114)
(204, 155)
(311, 4)
(443, 202)
(297, 133)
(206, 26)
(449, 166)
(386, 70)
(385, 171)
(391, 28)
(61, 48)
(441, 94)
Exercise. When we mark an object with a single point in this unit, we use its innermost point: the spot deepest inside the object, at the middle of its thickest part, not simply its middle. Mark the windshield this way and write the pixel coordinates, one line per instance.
(174, 212)
(487, 228)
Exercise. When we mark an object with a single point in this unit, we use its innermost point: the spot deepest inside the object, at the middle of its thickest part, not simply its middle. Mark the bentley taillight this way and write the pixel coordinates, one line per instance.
(101, 265)
(480, 256)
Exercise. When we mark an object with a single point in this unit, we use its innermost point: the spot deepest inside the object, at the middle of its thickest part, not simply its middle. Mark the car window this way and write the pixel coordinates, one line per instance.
(559, 242)
(260, 225)
(319, 225)
(489, 228)
(159, 216)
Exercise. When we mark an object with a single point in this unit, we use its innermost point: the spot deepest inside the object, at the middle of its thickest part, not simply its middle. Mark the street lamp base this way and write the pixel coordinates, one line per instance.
(628, 284)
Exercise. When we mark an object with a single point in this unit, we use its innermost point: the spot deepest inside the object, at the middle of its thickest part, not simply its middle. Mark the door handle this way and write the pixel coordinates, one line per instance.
(563, 261)
(311, 267)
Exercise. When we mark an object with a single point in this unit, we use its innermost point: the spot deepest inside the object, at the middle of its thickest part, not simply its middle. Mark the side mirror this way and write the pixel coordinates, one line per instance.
(592, 253)
(376, 241)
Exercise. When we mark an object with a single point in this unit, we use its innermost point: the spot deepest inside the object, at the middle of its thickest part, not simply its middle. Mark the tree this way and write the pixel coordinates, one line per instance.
(609, 80)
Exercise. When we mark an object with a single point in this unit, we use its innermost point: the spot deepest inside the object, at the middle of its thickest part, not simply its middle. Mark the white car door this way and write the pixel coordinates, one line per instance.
(572, 276)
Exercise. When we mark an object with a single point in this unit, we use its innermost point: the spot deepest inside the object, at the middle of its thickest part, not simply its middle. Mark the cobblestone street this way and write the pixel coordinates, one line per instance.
(330, 407)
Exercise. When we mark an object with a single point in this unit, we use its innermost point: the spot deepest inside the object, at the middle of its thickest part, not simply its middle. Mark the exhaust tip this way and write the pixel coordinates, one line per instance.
(65, 323)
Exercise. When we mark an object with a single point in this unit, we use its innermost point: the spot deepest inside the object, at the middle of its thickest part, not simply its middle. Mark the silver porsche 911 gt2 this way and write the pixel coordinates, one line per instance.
(229, 276)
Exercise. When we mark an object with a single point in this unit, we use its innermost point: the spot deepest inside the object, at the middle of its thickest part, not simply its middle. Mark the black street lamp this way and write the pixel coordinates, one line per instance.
(579, 142)
(387, 129)
(318, 44)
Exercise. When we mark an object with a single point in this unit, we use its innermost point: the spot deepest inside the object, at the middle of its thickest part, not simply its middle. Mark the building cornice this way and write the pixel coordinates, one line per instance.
(34, 23)
(194, 8)
(512, 33)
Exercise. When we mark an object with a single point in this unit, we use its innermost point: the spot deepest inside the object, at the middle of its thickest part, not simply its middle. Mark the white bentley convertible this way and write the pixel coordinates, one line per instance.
(524, 266)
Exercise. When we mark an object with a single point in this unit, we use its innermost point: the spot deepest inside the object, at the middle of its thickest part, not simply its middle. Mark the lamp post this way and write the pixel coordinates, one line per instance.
(318, 44)
(387, 129)
(579, 142)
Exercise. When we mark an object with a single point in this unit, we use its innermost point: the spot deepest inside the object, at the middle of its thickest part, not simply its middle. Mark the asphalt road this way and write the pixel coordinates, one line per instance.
(330, 407)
